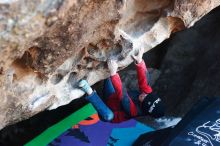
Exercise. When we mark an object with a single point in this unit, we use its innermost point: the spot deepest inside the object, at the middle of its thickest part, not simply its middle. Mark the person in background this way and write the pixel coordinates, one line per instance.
(119, 104)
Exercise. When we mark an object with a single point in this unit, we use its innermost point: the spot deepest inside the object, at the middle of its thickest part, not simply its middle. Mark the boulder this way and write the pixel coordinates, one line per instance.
(46, 51)
(190, 68)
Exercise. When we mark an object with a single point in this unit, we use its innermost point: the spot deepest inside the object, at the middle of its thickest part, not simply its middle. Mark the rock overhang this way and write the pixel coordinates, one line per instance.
(77, 45)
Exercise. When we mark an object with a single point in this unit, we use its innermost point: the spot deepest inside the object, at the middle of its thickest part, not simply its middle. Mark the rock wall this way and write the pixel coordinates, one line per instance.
(190, 69)
(47, 51)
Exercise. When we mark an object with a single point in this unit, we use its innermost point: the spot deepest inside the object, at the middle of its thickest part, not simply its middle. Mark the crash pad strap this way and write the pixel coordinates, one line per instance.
(54, 131)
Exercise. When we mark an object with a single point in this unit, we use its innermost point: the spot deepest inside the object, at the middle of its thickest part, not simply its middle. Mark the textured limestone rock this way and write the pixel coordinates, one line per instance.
(21, 21)
(73, 40)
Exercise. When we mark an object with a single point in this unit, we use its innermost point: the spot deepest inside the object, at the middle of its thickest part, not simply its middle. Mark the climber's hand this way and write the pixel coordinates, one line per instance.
(138, 57)
(113, 67)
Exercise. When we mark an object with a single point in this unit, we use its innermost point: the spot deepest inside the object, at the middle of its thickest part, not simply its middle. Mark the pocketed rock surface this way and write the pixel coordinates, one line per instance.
(48, 46)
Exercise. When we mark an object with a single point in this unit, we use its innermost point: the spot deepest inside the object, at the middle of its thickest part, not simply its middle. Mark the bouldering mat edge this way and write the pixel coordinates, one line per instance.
(54, 131)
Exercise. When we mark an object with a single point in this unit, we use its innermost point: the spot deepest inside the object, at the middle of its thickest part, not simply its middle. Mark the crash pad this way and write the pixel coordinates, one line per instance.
(84, 128)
